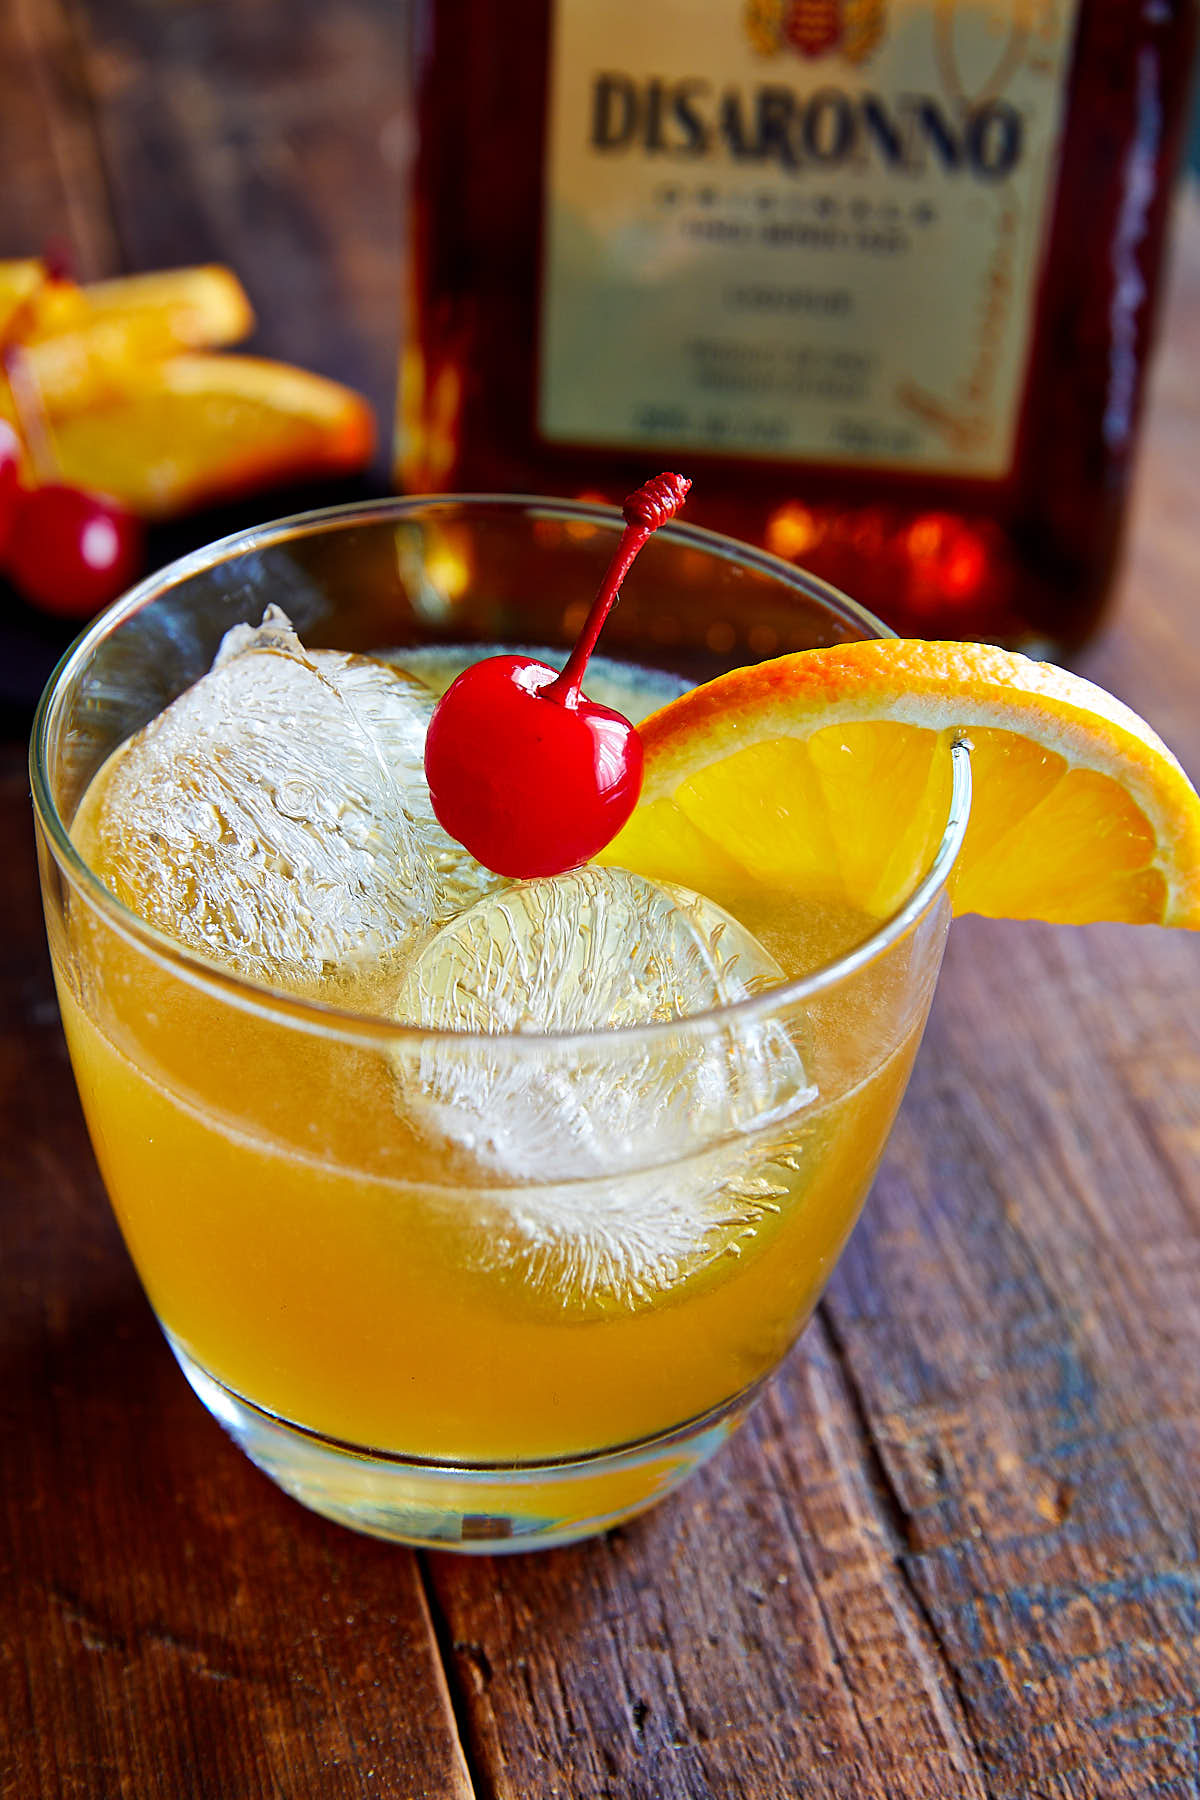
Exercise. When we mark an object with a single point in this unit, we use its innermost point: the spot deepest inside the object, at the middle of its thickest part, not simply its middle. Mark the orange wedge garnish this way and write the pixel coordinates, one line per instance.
(826, 773)
(195, 429)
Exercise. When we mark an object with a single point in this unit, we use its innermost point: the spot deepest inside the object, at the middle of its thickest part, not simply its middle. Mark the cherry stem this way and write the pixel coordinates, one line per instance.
(644, 511)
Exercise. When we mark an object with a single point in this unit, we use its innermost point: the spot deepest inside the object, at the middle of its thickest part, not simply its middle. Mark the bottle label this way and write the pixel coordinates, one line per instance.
(806, 229)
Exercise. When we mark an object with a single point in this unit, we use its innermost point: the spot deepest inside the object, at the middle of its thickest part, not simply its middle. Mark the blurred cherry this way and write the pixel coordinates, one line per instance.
(10, 480)
(70, 552)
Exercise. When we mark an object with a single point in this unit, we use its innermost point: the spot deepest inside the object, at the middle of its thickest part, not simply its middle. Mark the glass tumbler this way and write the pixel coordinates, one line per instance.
(426, 1341)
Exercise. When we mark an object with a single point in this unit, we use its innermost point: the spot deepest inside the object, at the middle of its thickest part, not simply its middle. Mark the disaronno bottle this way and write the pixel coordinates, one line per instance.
(878, 274)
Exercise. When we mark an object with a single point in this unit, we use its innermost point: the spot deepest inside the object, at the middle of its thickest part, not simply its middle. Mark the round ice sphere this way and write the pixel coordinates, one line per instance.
(606, 1160)
(259, 819)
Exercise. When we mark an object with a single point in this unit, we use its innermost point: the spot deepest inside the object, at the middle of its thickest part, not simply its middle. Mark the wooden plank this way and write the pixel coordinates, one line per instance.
(170, 1624)
(54, 190)
(1020, 1323)
(755, 1636)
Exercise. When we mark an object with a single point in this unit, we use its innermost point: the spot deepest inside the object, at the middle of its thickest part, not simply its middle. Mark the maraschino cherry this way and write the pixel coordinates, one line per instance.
(525, 771)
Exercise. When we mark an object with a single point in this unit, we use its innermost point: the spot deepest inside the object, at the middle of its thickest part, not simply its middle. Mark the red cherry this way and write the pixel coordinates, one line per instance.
(531, 776)
(531, 786)
(70, 552)
(10, 479)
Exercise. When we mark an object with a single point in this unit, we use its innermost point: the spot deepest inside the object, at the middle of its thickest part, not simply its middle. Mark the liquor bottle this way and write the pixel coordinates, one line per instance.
(880, 275)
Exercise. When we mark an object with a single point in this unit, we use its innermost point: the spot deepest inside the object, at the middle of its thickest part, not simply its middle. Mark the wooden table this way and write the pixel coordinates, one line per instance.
(955, 1554)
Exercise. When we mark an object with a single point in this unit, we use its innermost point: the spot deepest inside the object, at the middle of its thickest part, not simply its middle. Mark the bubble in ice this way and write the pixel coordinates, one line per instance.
(264, 817)
(612, 1166)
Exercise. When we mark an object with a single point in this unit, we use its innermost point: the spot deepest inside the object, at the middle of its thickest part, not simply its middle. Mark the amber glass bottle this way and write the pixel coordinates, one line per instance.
(880, 275)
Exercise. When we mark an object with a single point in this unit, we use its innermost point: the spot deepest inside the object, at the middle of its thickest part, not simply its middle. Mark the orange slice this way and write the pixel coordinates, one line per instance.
(825, 773)
(195, 429)
(85, 344)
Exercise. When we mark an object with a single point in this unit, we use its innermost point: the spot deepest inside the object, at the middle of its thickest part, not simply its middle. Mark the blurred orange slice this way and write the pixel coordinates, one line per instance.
(196, 429)
(824, 774)
(19, 281)
(84, 344)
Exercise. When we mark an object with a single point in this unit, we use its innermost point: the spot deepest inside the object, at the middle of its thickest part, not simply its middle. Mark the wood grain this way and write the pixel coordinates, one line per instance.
(955, 1552)
(756, 1636)
(54, 185)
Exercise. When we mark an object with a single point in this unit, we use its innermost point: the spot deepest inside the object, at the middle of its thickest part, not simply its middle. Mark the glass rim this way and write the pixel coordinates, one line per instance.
(324, 1019)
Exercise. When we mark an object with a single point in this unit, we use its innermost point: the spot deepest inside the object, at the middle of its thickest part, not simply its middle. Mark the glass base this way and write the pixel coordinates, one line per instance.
(483, 1509)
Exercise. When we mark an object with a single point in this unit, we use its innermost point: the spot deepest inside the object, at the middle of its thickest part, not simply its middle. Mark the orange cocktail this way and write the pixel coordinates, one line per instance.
(462, 1245)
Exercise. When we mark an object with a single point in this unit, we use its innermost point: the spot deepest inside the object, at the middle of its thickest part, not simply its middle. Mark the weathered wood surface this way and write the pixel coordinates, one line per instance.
(954, 1554)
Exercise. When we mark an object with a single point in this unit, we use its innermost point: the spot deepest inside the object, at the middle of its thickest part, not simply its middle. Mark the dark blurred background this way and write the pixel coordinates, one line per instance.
(146, 133)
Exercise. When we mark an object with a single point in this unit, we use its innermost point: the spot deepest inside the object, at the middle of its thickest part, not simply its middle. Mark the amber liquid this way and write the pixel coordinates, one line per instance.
(343, 1289)
(1026, 560)
(309, 1248)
